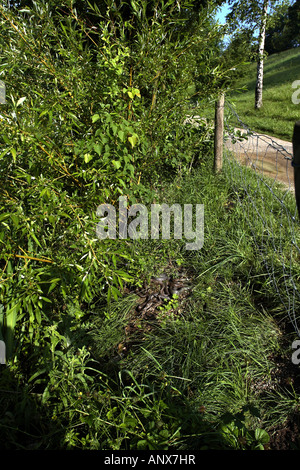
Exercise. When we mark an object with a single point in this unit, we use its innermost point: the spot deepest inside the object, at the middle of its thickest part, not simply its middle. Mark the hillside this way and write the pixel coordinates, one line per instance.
(279, 113)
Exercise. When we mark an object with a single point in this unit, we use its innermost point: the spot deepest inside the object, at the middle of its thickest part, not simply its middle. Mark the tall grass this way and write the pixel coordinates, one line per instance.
(201, 377)
(216, 355)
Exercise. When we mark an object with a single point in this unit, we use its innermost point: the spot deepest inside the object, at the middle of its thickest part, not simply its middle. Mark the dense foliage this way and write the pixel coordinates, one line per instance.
(284, 31)
(97, 98)
(94, 110)
(86, 122)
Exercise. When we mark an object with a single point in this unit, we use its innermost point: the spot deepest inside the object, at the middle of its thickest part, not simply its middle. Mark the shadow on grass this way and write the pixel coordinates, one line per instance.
(115, 411)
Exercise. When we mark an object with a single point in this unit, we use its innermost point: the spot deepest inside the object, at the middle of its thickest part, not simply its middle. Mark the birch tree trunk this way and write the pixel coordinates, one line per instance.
(260, 62)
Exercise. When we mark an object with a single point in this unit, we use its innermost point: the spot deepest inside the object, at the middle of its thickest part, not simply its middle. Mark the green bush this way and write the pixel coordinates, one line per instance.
(90, 116)
(96, 108)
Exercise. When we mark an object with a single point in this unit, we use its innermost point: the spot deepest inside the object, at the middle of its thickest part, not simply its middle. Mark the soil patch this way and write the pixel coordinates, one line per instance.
(269, 156)
(163, 297)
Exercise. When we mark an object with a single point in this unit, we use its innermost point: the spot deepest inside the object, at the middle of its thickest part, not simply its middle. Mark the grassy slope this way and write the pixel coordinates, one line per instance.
(217, 354)
(278, 114)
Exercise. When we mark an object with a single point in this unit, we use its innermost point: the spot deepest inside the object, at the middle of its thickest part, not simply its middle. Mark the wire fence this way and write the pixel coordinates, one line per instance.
(260, 171)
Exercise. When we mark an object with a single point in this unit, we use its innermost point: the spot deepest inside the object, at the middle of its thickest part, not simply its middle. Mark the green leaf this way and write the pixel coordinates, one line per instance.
(131, 169)
(137, 92)
(121, 135)
(88, 157)
(114, 128)
(35, 239)
(4, 216)
(15, 220)
(116, 164)
(125, 276)
(115, 292)
(10, 323)
(262, 436)
(14, 154)
(6, 139)
(98, 148)
(133, 140)
(53, 284)
(142, 444)
(95, 117)
(2, 154)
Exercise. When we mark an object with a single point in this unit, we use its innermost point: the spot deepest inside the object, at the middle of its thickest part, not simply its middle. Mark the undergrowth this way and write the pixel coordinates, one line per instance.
(196, 380)
(203, 374)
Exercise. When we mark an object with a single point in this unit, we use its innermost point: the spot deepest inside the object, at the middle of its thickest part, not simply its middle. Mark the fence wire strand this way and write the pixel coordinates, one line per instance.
(260, 171)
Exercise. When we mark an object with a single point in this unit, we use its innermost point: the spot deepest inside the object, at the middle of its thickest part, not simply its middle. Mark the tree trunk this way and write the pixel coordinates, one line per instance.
(260, 62)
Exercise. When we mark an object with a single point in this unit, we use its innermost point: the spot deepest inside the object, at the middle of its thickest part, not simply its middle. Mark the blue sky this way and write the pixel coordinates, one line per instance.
(220, 16)
(223, 11)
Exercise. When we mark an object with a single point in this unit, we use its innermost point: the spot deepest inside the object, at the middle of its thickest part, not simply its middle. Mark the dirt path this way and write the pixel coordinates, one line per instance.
(270, 156)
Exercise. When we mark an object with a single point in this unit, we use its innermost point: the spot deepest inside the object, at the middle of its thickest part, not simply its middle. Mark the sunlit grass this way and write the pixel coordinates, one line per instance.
(278, 114)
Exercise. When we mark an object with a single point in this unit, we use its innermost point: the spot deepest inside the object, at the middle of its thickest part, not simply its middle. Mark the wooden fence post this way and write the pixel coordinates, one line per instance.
(219, 133)
(296, 162)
